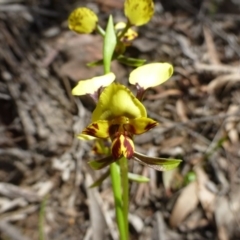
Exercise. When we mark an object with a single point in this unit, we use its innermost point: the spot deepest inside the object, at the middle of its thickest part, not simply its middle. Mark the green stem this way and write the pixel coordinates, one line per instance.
(41, 218)
(116, 186)
(124, 173)
(100, 31)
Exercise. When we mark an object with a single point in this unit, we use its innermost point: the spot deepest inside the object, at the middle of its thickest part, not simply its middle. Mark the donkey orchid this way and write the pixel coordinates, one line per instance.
(119, 115)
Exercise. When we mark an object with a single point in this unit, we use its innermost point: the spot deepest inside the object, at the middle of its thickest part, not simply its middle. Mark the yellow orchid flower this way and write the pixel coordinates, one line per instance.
(138, 12)
(82, 20)
(119, 115)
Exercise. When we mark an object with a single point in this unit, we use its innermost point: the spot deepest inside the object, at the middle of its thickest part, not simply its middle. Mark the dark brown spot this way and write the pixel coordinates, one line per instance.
(95, 125)
(90, 131)
(113, 129)
(116, 145)
(151, 125)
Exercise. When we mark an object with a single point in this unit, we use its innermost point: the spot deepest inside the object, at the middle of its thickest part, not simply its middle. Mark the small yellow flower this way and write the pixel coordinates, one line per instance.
(82, 20)
(138, 12)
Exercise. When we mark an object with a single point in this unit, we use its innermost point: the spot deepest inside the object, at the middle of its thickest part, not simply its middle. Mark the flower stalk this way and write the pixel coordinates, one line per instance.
(117, 194)
(125, 190)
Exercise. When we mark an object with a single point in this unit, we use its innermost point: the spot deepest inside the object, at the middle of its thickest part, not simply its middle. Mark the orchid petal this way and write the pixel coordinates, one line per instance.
(151, 75)
(159, 164)
(117, 100)
(85, 137)
(122, 146)
(97, 129)
(140, 125)
(91, 86)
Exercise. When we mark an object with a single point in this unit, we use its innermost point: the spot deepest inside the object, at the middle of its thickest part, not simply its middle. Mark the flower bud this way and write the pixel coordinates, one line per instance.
(138, 12)
(82, 20)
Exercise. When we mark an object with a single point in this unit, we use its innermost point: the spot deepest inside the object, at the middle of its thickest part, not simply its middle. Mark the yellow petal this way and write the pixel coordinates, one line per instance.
(122, 146)
(97, 129)
(91, 86)
(138, 12)
(82, 20)
(85, 137)
(117, 100)
(140, 125)
(120, 25)
(151, 75)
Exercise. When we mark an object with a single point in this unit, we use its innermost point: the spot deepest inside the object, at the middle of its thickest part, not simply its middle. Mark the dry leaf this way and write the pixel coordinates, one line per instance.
(206, 198)
(186, 203)
(181, 110)
(98, 223)
(222, 80)
(231, 124)
(211, 47)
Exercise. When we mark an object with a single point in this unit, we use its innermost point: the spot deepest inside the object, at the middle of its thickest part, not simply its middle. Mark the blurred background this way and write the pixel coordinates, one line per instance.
(44, 177)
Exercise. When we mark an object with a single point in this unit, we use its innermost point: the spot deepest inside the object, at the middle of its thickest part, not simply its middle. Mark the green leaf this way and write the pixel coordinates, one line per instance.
(99, 181)
(95, 63)
(137, 178)
(160, 164)
(101, 163)
(110, 41)
(133, 62)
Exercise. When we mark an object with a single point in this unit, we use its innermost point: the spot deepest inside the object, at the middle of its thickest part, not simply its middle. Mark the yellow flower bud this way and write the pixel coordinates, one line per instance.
(129, 36)
(138, 12)
(82, 20)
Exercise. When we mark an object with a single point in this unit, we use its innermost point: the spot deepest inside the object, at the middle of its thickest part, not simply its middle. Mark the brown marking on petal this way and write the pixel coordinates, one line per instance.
(90, 131)
(122, 146)
(113, 129)
(128, 144)
(129, 129)
(116, 145)
(95, 125)
(151, 125)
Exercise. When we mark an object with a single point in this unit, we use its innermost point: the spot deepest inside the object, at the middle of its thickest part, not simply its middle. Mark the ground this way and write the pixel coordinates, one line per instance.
(44, 176)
